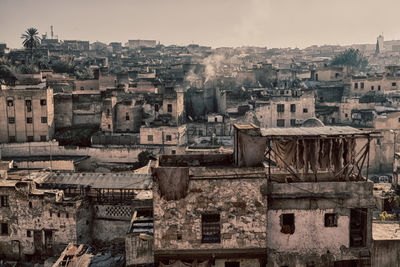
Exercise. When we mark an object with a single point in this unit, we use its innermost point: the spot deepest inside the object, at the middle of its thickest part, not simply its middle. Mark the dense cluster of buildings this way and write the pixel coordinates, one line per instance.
(194, 156)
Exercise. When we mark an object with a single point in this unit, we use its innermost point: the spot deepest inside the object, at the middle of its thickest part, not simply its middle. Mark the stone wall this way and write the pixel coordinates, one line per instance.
(239, 202)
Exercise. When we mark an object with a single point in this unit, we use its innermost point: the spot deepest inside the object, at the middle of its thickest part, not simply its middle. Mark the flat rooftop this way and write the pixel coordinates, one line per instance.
(314, 131)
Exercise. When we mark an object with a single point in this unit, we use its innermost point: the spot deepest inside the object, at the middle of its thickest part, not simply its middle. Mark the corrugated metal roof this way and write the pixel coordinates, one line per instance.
(313, 131)
(101, 180)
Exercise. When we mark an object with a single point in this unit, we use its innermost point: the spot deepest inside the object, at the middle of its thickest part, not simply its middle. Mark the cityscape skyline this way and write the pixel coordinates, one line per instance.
(256, 23)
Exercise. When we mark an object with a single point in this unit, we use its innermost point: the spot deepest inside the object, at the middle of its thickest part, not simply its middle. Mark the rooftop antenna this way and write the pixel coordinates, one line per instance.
(51, 28)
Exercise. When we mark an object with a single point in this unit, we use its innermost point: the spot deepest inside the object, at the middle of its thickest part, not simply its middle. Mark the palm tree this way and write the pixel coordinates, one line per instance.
(31, 39)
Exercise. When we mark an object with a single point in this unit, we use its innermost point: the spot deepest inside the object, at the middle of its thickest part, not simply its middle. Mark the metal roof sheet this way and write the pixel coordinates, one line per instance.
(101, 180)
(314, 131)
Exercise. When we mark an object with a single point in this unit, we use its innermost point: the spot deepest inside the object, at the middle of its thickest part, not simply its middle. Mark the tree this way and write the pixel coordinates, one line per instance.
(351, 58)
(31, 39)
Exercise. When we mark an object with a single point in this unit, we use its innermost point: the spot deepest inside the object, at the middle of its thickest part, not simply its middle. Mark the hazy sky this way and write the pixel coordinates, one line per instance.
(271, 23)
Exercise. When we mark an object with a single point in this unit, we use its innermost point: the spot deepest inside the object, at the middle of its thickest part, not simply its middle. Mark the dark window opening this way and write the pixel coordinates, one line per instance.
(287, 223)
(280, 107)
(43, 138)
(210, 228)
(305, 110)
(4, 201)
(58, 214)
(372, 87)
(173, 152)
(43, 102)
(109, 126)
(168, 137)
(108, 112)
(30, 204)
(280, 123)
(82, 88)
(67, 215)
(358, 227)
(28, 104)
(362, 85)
(29, 120)
(232, 264)
(30, 138)
(43, 119)
(149, 138)
(11, 139)
(337, 75)
(215, 119)
(394, 84)
(4, 228)
(201, 131)
(379, 87)
(156, 108)
(28, 233)
(331, 220)
(292, 122)
(169, 107)
(11, 120)
(127, 116)
(293, 108)
(10, 103)
(355, 85)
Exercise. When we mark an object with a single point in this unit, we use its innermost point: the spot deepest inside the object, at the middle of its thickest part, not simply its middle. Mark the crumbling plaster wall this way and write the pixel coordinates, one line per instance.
(239, 202)
(45, 214)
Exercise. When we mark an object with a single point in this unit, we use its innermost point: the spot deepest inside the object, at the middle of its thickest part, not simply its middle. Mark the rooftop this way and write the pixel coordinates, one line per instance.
(314, 131)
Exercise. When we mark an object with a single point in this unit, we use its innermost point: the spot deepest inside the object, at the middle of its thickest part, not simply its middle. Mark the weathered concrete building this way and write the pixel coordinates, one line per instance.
(39, 223)
(286, 108)
(209, 214)
(27, 113)
(308, 205)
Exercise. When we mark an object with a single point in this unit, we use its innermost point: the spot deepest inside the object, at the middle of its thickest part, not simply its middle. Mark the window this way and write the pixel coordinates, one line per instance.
(109, 126)
(28, 233)
(11, 120)
(215, 119)
(292, 122)
(4, 201)
(362, 85)
(127, 116)
(355, 85)
(10, 103)
(29, 120)
(43, 119)
(305, 110)
(82, 88)
(280, 123)
(11, 139)
(50, 213)
(30, 204)
(173, 152)
(232, 264)
(280, 107)
(379, 87)
(30, 138)
(346, 115)
(330, 220)
(149, 138)
(293, 108)
(169, 107)
(43, 138)
(43, 102)
(156, 107)
(201, 131)
(168, 137)
(394, 84)
(287, 223)
(108, 112)
(28, 104)
(372, 87)
(398, 119)
(4, 228)
(58, 214)
(210, 228)
(67, 215)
